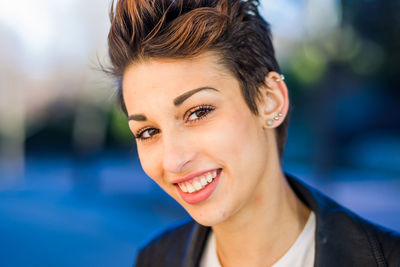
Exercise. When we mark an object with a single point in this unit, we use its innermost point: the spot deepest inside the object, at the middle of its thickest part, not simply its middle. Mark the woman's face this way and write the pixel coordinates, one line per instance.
(197, 138)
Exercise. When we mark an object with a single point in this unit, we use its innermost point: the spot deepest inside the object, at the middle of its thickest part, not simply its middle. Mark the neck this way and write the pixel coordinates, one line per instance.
(265, 229)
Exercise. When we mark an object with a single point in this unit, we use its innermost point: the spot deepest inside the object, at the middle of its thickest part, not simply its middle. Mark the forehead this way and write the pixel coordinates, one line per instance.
(167, 77)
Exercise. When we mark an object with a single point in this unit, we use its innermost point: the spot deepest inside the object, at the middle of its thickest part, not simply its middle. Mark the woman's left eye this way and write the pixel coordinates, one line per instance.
(199, 113)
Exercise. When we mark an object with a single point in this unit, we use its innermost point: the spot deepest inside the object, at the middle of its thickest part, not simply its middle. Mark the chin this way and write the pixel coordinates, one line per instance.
(207, 216)
(207, 220)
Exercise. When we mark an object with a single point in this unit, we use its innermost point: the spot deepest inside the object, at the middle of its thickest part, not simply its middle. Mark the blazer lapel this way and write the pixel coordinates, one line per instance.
(341, 238)
(195, 245)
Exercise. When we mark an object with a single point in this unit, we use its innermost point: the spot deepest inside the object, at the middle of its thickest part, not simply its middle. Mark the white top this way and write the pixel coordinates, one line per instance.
(300, 254)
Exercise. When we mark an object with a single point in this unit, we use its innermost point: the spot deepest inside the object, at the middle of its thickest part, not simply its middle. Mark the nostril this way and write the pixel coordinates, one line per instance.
(174, 165)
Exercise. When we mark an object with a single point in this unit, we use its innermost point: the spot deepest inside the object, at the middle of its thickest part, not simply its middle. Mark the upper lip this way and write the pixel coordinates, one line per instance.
(191, 176)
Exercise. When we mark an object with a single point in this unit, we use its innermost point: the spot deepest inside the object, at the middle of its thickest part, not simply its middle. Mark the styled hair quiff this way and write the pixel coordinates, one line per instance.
(234, 29)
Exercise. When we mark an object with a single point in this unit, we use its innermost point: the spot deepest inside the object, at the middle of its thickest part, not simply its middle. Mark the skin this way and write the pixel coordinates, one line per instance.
(252, 195)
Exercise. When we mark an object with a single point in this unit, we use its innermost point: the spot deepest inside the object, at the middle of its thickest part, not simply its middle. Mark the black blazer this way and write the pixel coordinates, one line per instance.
(342, 238)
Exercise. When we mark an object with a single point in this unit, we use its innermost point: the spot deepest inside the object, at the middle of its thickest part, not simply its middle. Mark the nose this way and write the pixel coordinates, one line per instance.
(177, 153)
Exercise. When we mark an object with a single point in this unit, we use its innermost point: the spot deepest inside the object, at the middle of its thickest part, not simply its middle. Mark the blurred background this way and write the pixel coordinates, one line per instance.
(72, 192)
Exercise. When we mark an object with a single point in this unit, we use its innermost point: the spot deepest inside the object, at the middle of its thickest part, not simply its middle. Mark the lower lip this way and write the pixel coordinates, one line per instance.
(203, 194)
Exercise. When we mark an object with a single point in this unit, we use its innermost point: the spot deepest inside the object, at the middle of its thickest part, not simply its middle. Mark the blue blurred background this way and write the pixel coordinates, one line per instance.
(72, 192)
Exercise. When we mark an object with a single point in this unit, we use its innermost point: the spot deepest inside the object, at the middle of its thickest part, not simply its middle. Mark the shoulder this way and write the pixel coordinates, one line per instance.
(167, 247)
(380, 243)
(387, 241)
(340, 231)
(358, 241)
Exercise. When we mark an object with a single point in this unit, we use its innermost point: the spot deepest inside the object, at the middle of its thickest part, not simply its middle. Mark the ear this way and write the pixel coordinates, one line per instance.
(274, 103)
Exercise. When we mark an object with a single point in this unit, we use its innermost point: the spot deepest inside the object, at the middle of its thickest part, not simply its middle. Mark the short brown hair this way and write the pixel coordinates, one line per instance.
(143, 29)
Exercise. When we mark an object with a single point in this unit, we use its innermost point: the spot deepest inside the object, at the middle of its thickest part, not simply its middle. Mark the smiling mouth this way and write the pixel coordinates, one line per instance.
(199, 182)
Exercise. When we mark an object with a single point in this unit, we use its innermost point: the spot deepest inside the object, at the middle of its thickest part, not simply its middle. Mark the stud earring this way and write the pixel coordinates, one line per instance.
(281, 78)
(280, 114)
(270, 122)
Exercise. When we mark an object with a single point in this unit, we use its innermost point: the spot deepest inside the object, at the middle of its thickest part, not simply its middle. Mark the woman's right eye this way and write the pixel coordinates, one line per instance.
(146, 133)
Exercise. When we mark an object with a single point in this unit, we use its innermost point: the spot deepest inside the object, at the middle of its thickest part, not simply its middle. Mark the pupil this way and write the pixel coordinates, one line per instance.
(200, 112)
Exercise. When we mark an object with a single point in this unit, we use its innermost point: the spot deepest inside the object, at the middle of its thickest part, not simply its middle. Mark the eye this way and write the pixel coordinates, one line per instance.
(147, 133)
(199, 112)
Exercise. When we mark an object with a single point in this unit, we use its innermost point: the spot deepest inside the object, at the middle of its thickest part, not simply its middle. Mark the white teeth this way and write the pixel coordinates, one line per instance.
(209, 177)
(197, 186)
(183, 187)
(190, 188)
(198, 183)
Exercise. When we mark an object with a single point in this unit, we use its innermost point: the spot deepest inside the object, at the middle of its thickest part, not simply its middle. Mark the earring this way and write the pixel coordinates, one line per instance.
(280, 114)
(270, 122)
(281, 78)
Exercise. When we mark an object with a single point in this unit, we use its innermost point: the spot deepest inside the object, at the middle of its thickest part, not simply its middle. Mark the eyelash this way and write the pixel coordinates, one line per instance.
(208, 108)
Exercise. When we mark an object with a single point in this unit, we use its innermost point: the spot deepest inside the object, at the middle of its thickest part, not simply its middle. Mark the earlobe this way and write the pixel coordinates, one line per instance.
(275, 100)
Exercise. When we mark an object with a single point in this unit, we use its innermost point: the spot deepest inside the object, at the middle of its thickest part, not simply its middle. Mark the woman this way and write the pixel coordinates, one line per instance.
(208, 106)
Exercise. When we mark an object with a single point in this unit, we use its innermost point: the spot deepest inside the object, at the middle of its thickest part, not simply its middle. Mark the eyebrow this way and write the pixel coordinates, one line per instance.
(137, 117)
(180, 99)
(177, 102)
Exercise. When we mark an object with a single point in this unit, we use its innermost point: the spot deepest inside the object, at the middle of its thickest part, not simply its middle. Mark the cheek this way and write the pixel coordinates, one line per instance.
(150, 160)
(232, 134)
